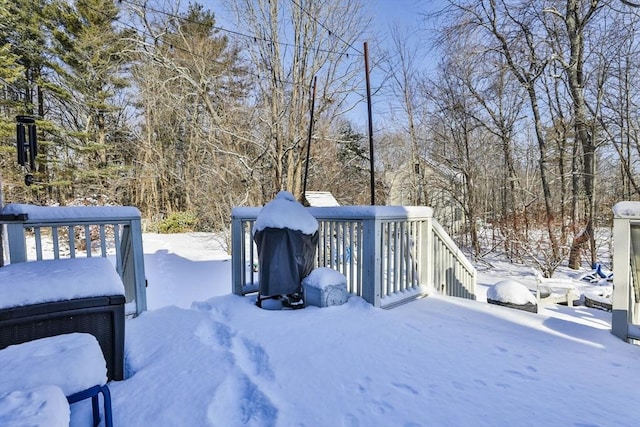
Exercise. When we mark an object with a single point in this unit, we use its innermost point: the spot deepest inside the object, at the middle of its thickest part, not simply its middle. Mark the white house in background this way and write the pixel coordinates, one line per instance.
(428, 183)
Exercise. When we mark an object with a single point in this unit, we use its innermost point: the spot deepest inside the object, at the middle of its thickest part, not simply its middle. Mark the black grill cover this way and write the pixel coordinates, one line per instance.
(285, 257)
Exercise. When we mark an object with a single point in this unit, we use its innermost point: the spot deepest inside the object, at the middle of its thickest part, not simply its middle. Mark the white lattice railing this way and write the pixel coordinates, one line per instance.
(389, 254)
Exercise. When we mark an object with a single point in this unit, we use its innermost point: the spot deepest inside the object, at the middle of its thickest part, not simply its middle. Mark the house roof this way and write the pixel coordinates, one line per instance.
(320, 199)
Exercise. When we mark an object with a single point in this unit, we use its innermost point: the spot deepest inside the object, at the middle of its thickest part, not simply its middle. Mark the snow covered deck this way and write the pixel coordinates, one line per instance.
(389, 254)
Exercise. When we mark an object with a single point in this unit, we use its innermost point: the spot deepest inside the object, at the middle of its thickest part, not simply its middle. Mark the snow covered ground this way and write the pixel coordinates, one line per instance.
(203, 357)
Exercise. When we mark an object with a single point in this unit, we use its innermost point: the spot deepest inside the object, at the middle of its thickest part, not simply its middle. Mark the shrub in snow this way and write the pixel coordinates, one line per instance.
(178, 222)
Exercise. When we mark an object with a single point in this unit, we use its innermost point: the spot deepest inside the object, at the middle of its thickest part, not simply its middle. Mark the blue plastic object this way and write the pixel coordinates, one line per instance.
(94, 393)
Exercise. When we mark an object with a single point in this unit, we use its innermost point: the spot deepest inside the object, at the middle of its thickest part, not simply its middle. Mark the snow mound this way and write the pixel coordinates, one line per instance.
(322, 277)
(41, 406)
(510, 291)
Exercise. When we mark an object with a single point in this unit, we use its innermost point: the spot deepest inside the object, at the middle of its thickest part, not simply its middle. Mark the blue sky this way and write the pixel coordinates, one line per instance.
(402, 11)
(407, 14)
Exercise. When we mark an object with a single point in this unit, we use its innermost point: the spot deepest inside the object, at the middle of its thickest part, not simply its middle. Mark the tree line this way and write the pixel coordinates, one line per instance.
(532, 104)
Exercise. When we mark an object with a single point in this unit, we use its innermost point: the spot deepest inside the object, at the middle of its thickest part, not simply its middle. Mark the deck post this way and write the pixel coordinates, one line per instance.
(138, 266)
(372, 271)
(427, 265)
(237, 248)
(17, 242)
(621, 277)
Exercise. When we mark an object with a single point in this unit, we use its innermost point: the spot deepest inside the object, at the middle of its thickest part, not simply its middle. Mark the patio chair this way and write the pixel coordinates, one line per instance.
(555, 291)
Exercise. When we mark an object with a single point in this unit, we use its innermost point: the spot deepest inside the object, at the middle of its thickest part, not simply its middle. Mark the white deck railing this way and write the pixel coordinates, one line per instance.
(625, 321)
(35, 233)
(389, 254)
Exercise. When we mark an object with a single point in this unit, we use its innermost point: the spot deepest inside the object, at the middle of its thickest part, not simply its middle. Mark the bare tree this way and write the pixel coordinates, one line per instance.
(408, 107)
(513, 32)
(457, 142)
(293, 41)
(577, 16)
(499, 101)
(621, 94)
(195, 145)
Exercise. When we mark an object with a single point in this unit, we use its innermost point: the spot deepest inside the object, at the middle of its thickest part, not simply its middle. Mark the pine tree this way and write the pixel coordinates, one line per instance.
(89, 59)
(22, 61)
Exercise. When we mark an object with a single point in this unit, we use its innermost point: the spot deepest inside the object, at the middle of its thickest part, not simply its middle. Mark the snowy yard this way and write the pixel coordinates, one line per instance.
(203, 357)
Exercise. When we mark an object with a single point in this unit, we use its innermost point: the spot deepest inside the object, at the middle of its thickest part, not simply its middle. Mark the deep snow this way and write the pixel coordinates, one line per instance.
(221, 361)
(202, 357)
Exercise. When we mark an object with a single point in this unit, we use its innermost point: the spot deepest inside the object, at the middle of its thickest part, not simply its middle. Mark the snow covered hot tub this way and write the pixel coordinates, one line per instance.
(52, 297)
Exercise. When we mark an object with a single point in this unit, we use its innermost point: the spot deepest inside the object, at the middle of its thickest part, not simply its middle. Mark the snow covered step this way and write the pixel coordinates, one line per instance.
(325, 287)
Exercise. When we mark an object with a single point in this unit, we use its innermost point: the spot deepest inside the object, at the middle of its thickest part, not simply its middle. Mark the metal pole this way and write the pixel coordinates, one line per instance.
(306, 166)
(371, 162)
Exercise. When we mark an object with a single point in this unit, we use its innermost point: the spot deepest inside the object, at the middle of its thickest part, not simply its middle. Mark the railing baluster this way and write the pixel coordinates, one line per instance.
(250, 248)
(56, 244)
(353, 245)
(103, 241)
(71, 234)
(405, 278)
(116, 240)
(386, 260)
(391, 250)
(410, 242)
(401, 254)
(38, 237)
(334, 246)
(338, 245)
(254, 249)
(404, 249)
(326, 241)
(87, 239)
(397, 247)
(417, 249)
(387, 253)
(343, 249)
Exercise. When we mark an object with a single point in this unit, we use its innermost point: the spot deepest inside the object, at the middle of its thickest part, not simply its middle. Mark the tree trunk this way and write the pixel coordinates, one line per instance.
(575, 31)
(576, 247)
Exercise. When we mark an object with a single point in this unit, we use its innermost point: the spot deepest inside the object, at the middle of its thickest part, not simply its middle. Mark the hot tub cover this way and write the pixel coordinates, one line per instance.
(37, 282)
